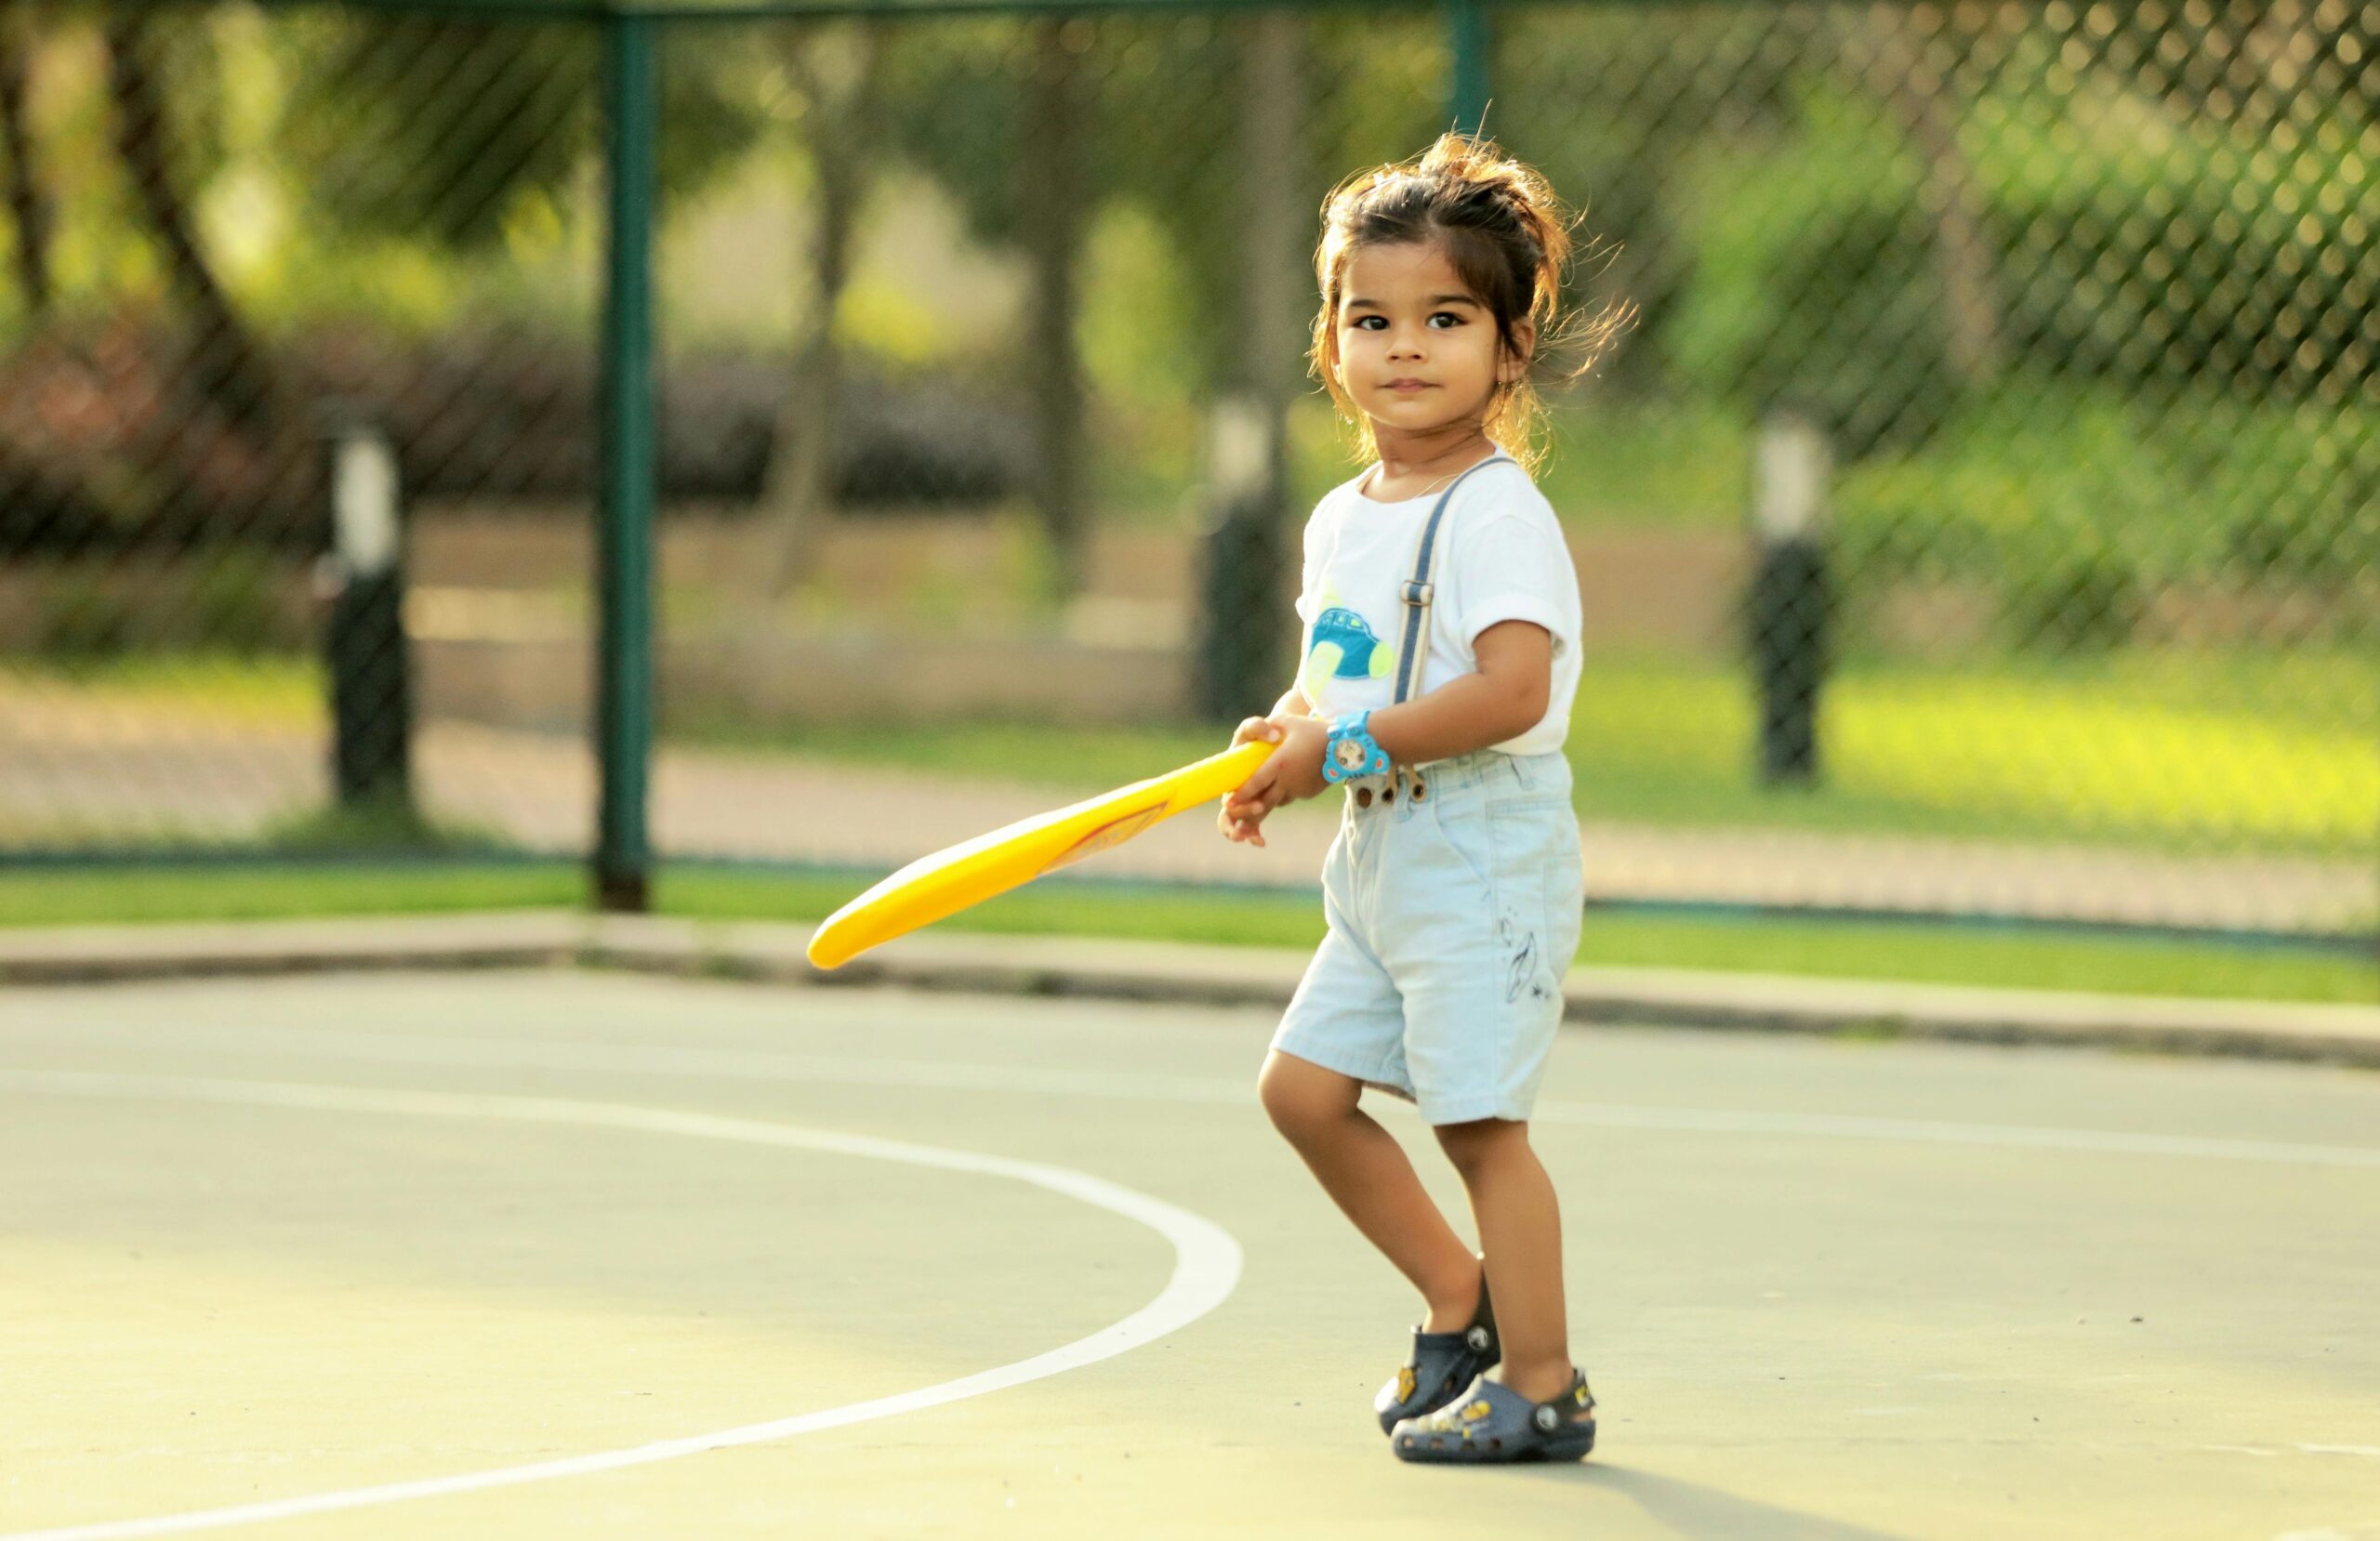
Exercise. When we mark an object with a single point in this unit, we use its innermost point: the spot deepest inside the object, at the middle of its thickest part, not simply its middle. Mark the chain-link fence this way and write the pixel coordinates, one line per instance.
(1983, 515)
(248, 247)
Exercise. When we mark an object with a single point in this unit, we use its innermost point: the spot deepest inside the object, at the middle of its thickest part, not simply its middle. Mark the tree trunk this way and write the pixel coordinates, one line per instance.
(1895, 66)
(28, 204)
(1057, 195)
(838, 71)
(226, 368)
(1241, 662)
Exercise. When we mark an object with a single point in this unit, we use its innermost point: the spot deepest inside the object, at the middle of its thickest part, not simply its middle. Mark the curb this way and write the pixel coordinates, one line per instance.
(1175, 973)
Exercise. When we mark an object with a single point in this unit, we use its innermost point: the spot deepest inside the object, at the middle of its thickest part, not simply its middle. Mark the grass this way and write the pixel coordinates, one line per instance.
(108, 896)
(1939, 953)
(2228, 754)
(265, 688)
(2165, 748)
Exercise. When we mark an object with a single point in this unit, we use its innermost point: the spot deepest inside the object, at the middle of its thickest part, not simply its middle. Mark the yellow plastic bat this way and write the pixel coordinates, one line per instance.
(934, 886)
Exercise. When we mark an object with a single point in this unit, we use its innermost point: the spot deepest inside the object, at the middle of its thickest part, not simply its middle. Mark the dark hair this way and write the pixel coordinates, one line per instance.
(1508, 237)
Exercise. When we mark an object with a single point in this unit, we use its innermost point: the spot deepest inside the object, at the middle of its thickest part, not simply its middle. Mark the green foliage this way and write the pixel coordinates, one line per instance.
(951, 94)
(1378, 85)
(1813, 285)
(438, 128)
(82, 616)
(2042, 480)
(1159, 130)
(235, 603)
(227, 601)
(2133, 241)
(961, 99)
(2091, 601)
(2191, 244)
(1604, 102)
(2310, 511)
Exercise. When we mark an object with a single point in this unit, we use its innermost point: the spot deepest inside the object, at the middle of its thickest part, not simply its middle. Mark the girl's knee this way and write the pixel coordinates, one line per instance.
(1477, 1144)
(1301, 1098)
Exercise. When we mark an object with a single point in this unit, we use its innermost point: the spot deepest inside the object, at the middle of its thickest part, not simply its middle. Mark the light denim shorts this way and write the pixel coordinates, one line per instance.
(1454, 914)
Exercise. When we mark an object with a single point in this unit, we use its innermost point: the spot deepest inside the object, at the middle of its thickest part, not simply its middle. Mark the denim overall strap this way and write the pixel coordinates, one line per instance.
(1418, 595)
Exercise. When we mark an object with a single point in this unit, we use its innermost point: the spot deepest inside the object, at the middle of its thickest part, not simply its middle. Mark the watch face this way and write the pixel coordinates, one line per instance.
(1348, 752)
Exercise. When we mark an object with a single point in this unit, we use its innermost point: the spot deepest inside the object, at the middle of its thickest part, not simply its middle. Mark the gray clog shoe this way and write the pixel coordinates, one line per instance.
(1442, 1364)
(1492, 1422)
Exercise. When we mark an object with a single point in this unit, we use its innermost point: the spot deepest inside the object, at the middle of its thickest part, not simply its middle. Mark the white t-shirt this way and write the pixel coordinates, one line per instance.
(1500, 557)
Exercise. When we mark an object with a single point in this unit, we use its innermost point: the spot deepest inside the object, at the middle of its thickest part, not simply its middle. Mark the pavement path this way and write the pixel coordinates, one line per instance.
(69, 775)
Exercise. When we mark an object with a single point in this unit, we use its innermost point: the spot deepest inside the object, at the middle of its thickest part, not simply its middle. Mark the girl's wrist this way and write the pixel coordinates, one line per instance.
(1311, 755)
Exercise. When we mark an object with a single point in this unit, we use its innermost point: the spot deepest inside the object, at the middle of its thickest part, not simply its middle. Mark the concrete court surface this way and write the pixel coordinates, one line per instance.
(318, 1244)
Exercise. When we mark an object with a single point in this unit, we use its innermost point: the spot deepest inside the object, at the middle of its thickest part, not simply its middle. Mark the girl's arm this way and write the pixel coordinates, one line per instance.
(1504, 700)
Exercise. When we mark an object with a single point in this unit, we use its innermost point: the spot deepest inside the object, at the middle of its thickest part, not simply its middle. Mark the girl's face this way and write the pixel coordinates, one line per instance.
(1416, 352)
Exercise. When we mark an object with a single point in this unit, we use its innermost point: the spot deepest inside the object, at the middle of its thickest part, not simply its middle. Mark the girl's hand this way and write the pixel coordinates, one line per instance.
(1243, 821)
(1294, 772)
(1255, 728)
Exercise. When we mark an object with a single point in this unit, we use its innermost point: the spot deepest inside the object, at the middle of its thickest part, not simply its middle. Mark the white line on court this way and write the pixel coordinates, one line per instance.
(814, 1069)
(1206, 1269)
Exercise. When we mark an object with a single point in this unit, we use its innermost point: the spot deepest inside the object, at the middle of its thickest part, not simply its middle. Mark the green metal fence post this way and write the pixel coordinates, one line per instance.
(1468, 39)
(624, 540)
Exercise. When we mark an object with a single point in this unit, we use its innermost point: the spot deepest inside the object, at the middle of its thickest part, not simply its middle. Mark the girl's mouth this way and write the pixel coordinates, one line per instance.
(1408, 388)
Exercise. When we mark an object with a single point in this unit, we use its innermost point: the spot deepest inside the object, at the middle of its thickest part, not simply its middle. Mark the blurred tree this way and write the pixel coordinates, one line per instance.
(1911, 74)
(1031, 128)
(438, 127)
(836, 66)
(226, 367)
(1605, 101)
(2237, 61)
(1240, 664)
(1058, 195)
(27, 198)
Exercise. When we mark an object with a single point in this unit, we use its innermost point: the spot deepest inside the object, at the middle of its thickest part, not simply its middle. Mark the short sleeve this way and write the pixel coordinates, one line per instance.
(1309, 576)
(1516, 568)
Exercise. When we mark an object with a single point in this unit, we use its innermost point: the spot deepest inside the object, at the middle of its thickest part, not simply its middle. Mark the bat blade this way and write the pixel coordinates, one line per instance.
(935, 887)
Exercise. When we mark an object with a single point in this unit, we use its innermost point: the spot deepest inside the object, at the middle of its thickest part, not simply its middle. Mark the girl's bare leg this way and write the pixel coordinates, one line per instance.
(1520, 1230)
(1367, 1174)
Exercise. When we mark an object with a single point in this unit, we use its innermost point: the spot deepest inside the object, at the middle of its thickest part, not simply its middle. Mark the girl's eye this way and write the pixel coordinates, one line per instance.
(1365, 322)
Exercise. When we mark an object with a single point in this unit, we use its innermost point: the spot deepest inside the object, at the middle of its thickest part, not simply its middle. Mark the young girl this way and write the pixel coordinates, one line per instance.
(1453, 890)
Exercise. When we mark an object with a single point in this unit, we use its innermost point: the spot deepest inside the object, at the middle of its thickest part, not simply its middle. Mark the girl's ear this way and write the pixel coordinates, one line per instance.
(1516, 358)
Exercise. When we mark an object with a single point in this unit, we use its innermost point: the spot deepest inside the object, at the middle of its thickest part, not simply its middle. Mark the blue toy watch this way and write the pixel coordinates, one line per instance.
(1350, 750)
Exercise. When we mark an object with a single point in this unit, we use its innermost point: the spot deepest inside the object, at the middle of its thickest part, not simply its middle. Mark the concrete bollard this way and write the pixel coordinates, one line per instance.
(1790, 608)
(371, 680)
